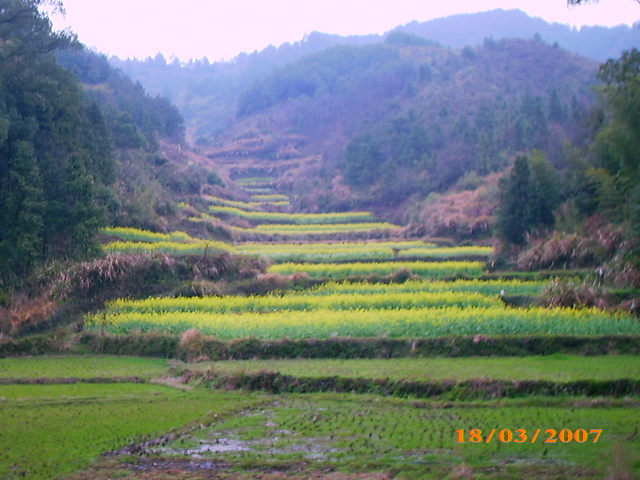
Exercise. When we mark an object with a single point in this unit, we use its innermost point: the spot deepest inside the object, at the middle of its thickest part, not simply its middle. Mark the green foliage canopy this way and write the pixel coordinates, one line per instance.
(55, 153)
(617, 145)
(530, 194)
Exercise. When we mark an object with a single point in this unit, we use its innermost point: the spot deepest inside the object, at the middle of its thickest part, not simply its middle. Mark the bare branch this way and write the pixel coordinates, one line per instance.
(573, 3)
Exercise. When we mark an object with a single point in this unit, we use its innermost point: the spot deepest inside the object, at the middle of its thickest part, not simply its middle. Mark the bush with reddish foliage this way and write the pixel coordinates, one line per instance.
(28, 316)
(462, 215)
(563, 292)
(599, 243)
(87, 286)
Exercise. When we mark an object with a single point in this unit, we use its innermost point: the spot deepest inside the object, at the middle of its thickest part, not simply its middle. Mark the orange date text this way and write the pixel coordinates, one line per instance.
(507, 435)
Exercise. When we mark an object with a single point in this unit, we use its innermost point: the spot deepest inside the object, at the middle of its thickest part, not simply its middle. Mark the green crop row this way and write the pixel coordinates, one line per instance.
(354, 251)
(331, 247)
(340, 270)
(138, 235)
(248, 206)
(350, 230)
(254, 180)
(274, 197)
(557, 368)
(257, 190)
(486, 287)
(323, 228)
(278, 203)
(293, 218)
(170, 248)
(223, 202)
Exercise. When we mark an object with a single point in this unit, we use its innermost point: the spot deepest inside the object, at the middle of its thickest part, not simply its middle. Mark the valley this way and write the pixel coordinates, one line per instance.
(385, 257)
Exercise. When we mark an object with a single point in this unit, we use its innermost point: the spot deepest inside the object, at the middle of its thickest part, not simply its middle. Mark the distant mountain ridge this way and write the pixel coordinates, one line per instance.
(457, 31)
(220, 83)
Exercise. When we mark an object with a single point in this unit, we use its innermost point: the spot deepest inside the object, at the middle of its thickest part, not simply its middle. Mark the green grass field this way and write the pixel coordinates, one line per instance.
(84, 366)
(561, 368)
(52, 430)
(555, 367)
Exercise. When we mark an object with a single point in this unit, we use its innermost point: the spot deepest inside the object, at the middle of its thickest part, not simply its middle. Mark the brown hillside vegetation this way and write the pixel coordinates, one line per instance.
(460, 214)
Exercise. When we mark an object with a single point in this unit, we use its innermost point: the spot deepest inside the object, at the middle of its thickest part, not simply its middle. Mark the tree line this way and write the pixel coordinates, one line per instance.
(602, 176)
(71, 156)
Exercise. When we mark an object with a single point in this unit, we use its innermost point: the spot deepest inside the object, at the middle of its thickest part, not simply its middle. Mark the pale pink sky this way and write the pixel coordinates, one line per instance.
(221, 29)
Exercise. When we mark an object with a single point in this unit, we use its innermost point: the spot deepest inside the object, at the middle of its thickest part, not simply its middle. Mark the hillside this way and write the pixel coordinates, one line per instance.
(206, 93)
(397, 230)
(307, 113)
(155, 166)
(371, 126)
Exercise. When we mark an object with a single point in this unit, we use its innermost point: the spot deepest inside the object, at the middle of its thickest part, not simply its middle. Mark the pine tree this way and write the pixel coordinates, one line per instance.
(514, 217)
(84, 216)
(22, 199)
(545, 193)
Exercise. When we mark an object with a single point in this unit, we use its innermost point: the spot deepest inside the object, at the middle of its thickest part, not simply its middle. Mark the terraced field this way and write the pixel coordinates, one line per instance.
(180, 243)
(396, 315)
(384, 413)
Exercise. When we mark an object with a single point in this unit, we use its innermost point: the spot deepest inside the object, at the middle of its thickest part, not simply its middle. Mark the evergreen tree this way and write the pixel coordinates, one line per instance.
(617, 145)
(55, 149)
(557, 111)
(529, 196)
(514, 217)
(363, 160)
(21, 235)
(545, 190)
(84, 216)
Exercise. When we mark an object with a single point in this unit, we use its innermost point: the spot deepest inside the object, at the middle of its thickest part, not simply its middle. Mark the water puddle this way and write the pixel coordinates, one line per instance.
(220, 445)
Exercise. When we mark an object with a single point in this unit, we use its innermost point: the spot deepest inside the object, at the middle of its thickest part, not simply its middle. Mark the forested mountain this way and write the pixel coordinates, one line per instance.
(408, 116)
(378, 124)
(206, 93)
(457, 31)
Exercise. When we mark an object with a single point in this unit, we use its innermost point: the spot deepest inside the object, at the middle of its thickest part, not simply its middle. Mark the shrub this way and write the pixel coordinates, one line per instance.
(265, 283)
(564, 292)
(599, 243)
(191, 345)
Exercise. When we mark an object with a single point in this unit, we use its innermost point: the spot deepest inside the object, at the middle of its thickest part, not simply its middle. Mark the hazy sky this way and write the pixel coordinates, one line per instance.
(221, 29)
